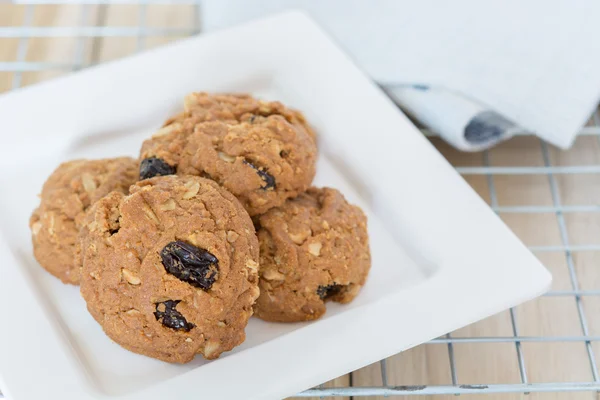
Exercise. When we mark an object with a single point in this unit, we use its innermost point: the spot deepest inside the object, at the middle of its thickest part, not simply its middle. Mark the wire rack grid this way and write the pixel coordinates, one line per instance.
(489, 171)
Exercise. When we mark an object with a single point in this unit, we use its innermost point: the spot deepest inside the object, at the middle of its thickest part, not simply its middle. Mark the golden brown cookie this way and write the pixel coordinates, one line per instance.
(235, 107)
(261, 152)
(313, 249)
(67, 194)
(171, 270)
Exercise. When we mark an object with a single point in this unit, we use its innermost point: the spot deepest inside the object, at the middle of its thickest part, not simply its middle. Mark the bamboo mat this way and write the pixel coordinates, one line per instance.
(427, 364)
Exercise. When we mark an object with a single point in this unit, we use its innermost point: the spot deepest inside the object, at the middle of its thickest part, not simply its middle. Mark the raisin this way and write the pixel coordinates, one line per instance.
(256, 222)
(114, 226)
(170, 317)
(153, 166)
(206, 175)
(190, 264)
(329, 291)
(264, 175)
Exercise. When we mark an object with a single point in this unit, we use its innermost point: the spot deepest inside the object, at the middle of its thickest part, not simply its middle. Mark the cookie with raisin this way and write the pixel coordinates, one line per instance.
(170, 270)
(313, 249)
(65, 198)
(260, 151)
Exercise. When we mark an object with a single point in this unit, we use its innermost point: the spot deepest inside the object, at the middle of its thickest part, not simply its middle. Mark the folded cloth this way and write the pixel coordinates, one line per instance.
(534, 62)
(463, 122)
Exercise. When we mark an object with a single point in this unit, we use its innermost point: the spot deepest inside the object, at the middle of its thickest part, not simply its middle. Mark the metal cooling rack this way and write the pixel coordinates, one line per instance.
(141, 32)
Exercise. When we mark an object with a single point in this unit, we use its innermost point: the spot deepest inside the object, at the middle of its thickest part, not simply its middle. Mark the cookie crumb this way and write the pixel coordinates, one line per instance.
(232, 236)
(226, 157)
(315, 248)
(168, 205)
(193, 188)
(273, 275)
(130, 277)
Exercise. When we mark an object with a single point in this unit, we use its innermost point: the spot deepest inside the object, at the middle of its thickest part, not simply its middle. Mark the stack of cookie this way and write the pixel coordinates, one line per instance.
(216, 221)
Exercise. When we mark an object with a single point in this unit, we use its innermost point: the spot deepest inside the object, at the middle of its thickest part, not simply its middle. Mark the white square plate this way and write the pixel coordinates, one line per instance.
(441, 258)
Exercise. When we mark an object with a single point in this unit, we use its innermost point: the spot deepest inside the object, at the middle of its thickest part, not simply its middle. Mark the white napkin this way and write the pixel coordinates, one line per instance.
(536, 62)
